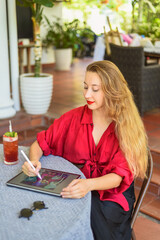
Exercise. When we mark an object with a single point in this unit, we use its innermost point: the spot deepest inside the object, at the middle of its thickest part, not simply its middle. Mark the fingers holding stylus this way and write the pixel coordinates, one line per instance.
(28, 170)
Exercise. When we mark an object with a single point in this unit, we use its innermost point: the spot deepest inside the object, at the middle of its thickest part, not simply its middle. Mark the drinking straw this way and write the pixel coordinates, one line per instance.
(10, 126)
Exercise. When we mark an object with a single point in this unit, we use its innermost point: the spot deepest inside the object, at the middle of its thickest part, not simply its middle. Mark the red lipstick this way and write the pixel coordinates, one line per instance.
(89, 102)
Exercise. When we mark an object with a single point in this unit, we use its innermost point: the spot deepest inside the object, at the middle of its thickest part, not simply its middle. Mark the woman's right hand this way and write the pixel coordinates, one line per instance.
(28, 170)
(34, 156)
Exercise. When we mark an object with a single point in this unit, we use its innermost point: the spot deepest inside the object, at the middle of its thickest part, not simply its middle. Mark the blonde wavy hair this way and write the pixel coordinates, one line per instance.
(122, 110)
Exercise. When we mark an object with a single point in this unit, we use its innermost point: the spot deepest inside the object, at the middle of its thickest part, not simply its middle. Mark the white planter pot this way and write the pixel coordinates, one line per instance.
(63, 59)
(36, 92)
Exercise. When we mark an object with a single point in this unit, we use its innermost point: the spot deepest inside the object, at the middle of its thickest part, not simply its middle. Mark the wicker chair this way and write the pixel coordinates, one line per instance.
(112, 37)
(143, 81)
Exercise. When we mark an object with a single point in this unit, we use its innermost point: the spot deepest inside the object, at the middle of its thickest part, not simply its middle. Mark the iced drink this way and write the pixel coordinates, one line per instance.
(10, 147)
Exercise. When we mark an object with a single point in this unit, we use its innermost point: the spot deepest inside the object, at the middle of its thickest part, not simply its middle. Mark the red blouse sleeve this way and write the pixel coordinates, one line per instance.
(41, 138)
(53, 138)
(120, 167)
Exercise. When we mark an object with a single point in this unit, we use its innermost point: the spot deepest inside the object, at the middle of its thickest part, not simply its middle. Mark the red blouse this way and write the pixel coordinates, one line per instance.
(70, 137)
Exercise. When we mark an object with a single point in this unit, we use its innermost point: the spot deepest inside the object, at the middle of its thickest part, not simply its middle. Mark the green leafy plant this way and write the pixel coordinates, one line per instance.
(146, 19)
(87, 33)
(62, 35)
(150, 29)
(37, 7)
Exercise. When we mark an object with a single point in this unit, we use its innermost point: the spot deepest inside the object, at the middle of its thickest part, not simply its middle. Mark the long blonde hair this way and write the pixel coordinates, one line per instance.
(121, 108)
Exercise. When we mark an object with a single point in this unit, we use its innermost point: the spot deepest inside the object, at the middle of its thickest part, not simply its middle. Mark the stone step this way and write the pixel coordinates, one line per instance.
(28, 136)
(22, 121)
(150, 205)
(152, 209)
(154, 186)
(156, 158)
(27, 126)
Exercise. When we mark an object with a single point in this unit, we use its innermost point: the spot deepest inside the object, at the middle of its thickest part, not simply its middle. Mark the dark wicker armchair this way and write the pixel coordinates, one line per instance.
(143, 81)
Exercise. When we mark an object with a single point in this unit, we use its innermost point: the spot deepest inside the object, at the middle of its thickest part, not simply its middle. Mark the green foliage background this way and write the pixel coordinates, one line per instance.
(145, 20)
(150, 24)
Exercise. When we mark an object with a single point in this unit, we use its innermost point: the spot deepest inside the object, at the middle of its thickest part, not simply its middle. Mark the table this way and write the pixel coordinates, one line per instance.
(65, 219)
(20, 51)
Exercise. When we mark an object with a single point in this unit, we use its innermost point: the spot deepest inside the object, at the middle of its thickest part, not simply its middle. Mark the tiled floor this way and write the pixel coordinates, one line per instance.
(146, 229)
(68, 86)
(67, 94)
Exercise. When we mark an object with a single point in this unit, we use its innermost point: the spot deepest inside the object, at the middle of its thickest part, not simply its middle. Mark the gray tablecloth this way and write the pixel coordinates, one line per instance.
(65, 219)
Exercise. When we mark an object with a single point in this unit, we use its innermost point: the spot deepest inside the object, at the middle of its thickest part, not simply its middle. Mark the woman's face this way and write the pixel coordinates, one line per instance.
(93, 92)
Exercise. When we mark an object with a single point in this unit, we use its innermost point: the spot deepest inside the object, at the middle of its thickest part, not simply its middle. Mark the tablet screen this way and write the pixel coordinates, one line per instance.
(52, 181)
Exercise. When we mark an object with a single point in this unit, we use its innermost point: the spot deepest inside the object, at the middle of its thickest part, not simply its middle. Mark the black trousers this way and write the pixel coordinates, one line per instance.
(108, 219)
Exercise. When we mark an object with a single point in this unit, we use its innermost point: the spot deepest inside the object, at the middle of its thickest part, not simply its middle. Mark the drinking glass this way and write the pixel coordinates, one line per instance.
(10, 147)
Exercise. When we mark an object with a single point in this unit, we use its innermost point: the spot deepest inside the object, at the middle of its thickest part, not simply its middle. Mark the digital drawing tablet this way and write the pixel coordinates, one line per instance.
(52, 181)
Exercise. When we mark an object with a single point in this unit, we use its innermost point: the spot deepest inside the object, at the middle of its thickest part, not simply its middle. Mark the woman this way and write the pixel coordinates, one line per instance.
(107, 138)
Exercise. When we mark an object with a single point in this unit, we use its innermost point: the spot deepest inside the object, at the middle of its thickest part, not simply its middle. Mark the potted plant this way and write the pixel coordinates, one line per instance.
(65, 39)
(36, 88)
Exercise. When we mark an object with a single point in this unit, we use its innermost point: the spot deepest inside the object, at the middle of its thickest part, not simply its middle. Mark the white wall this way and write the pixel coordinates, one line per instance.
(6, 103)
(47, 54)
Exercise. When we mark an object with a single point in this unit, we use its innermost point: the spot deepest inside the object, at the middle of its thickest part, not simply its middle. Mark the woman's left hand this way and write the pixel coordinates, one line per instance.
(78, 188)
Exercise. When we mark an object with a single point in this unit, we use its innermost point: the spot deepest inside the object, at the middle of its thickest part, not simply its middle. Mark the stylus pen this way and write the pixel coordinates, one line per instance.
(25, 156)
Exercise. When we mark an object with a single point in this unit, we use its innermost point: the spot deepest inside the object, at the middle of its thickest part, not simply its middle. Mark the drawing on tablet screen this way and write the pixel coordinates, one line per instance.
(50, 179)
